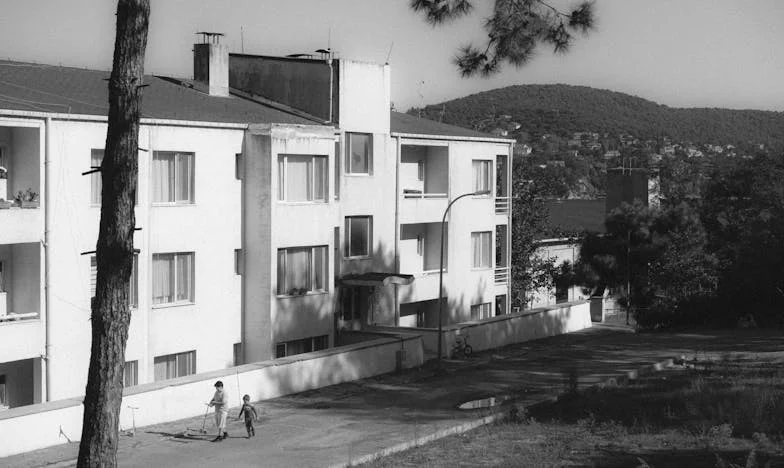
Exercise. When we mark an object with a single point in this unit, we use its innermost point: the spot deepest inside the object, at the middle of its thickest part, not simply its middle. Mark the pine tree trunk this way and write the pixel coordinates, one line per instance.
(114, 250)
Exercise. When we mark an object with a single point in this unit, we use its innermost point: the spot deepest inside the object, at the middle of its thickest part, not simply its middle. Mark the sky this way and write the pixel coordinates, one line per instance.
(682, 53)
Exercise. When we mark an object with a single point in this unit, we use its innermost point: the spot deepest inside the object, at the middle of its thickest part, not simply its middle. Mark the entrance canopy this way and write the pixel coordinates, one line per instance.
(376, 279)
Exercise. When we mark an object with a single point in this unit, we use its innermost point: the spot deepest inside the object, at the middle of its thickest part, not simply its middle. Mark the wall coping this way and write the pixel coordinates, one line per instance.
(498, 318)
(209, 375)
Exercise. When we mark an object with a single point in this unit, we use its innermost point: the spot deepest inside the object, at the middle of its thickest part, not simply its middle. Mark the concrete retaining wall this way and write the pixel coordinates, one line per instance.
(504, 330)
(38, 426)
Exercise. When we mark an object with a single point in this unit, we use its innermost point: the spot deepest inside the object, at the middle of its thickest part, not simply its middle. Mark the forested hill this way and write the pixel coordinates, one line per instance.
(563, 109)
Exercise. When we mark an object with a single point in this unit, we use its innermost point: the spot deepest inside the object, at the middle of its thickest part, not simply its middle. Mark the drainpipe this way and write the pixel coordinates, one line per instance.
(397, 224)
(47, 261)
(331, 85)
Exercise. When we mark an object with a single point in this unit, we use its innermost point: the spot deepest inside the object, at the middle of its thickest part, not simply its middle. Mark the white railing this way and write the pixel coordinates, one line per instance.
(424, 195)
(502, 205)
(502, 275)
(17, 317)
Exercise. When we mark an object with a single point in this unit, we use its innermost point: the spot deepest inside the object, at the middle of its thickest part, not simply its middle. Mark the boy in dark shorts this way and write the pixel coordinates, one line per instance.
(250, 415)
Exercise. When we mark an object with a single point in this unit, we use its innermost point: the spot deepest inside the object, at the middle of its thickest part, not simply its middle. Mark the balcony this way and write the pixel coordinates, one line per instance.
(20, 301)
(424, 183)
(18, 225)
(20, 185)
(503, 205)
(424, 288)
(21, 333)
(502, 276)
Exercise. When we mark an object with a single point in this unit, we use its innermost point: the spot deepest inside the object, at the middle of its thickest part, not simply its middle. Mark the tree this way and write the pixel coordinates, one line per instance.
(529, 271)
(514, 30)
(742, 210)
(657, 259)
(114, 249)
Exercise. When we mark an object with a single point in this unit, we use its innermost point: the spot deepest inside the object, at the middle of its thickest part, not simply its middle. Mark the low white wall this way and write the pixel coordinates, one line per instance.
(504, 330)
(185, 397)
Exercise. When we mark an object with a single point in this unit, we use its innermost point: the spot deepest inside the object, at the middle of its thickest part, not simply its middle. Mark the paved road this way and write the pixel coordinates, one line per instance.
(334, 425)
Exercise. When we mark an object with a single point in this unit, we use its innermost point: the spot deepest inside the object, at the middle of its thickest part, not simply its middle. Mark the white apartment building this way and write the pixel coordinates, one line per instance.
(267, 223)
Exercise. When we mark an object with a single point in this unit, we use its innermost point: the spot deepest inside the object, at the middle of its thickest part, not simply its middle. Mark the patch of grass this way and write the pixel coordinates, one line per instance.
(717, 413)
(743, 397)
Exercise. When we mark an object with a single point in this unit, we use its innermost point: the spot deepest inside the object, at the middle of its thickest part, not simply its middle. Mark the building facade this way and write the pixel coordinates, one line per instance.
(267, 222)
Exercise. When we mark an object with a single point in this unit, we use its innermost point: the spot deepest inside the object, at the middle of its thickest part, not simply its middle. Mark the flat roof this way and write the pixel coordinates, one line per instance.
(412, 125)
(576, 216)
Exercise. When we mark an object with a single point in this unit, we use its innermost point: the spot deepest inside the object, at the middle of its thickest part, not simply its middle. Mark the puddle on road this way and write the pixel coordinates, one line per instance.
(482, 403)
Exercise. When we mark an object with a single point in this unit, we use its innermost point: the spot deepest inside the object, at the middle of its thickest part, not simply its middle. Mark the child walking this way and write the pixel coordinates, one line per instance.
(221, 403)
(247, 409)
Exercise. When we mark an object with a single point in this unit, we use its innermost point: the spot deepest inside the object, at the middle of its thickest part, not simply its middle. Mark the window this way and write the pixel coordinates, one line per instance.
(359, 236)
(133, 293)
(353, 301)
(239, 262)
(561, 292)
(307, 345)
(3, 393)
(302, 178)
(96, 157)
(302, 270)
(421, 319)
(238, 166)
(500, 305)
(481, 248)
(130, 373)
(481, 311)
(337, 170)
(238, 354)
(172, 177)
(172, 278)
(359, 153)
(482, 170)
(175, 365)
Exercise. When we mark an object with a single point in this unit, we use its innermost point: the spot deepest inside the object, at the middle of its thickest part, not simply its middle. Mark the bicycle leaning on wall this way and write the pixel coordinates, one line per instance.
(461, 346)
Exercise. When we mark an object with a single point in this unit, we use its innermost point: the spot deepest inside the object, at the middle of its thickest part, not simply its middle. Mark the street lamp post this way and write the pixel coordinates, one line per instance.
(441, 271)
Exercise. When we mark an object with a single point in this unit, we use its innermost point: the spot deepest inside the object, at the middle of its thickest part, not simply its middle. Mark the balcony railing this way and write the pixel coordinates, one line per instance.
(18, 317)
(502, 275)
(502, 205)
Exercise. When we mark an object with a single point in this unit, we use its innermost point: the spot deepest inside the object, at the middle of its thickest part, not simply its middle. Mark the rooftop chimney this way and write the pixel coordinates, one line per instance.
(211, 65)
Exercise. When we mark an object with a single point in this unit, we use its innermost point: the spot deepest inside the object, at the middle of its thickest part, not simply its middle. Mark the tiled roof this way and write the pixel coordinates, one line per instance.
(404, 123)
(65, 90)
(576, 216)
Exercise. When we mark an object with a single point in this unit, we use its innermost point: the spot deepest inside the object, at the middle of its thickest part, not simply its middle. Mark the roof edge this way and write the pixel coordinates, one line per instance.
(425, 136)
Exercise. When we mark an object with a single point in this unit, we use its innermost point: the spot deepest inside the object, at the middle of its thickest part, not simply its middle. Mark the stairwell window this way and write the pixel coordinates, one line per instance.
(302, 178)
(133, 291)
(302, 270)
(481, 249)
(359, 236)
(482, 171)
(173, 278)
(172, 366)
(173, 177)
(359, 153)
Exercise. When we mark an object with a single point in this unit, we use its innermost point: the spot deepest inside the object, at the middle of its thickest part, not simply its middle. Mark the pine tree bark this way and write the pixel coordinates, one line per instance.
(114, 250)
